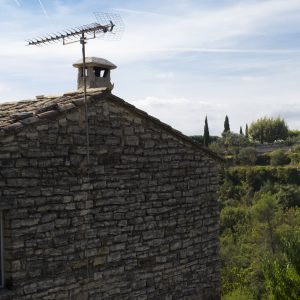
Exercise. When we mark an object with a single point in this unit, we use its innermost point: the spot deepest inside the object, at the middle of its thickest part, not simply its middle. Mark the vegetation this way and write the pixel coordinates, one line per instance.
(279, 157)
(260, 235)
(260, 211)
(206, 133)
(226, 125)
(247, 156)
(247, 132)
(268, 130)
(294, 133)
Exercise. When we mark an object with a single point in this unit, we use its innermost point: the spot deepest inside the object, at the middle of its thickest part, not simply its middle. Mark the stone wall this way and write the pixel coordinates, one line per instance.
(142, 225)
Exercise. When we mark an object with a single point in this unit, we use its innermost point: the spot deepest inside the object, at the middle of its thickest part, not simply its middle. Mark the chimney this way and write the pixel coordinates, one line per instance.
(97, 72)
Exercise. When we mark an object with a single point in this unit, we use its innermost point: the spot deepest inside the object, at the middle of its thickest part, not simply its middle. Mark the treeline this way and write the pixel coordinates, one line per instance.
(263, 130)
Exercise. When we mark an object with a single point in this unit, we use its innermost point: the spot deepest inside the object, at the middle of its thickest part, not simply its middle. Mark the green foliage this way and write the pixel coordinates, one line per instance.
(241, 130)
(294, 155)
(233, 218)
(282, 272)
(264, 211)
(265, 208)
(260, 214)
(260, 239)
(206, 133)
(279, 158)
(232, 139)
(268, 130)
(288, 195)
(294, 133)
(256, 176)
(247, 156)
(226, 125)
(290, 244)
(238, 294)
(216, 147)
(247, 132)
(263, 160)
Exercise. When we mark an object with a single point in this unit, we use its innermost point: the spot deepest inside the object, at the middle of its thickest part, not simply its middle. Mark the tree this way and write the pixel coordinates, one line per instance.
(246, 132)
(206, 133)
(282, 274)
(264, 211)
(226, 125)
(241, 131)
(234, 139)
(231, 218)
(260, 235)
(268, 130)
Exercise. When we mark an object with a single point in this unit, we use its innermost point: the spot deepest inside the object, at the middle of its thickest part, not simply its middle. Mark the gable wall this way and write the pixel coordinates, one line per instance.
(143, 226)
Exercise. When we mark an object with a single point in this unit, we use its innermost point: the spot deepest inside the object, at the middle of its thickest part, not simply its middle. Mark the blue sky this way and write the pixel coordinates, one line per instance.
(178, 60)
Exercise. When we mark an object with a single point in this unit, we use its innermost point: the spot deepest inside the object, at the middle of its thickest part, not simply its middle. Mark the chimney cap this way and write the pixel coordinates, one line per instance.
(95, 62)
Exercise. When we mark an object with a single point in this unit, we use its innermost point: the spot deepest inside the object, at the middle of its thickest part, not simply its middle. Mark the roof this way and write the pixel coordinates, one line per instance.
(14, 116)
(96, 62)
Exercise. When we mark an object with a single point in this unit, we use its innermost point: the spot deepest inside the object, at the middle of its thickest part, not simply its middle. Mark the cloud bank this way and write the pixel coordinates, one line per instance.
(180, 61)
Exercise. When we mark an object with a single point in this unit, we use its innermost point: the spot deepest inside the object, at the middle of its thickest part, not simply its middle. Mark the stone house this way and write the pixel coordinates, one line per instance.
(139, 221)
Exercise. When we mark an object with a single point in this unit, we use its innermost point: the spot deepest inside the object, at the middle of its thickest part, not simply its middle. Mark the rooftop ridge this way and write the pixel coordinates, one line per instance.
(14, 116)
(167, 127)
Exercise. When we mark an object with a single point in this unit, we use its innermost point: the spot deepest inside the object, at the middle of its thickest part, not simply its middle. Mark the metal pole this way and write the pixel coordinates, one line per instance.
(83, 42)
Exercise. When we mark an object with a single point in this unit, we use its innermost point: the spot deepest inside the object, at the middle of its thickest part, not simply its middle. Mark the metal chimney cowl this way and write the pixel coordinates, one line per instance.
(97, 71)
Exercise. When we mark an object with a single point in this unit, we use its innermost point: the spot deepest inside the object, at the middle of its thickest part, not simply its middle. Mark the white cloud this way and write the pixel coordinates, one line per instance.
(4, 88)
(184, 114)
(192, 60)
(167, 75)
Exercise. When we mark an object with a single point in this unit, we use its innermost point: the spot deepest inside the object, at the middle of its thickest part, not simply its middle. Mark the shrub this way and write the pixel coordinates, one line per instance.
(232, 218)
(279, 158)
(288, 196)
(258, 175)
(263, 160)
(231, 139)
(294, 133)
(238, 294)
(247, 156)
(294, 155)
(215, 146)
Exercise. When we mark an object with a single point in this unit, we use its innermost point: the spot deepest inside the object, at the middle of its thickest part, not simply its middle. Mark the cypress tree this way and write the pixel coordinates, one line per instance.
(226, 125)
(241, 131)
(206, 133)
(246, 132)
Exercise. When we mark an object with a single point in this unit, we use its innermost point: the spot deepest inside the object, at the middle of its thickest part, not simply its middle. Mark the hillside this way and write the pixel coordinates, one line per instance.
(260, 232)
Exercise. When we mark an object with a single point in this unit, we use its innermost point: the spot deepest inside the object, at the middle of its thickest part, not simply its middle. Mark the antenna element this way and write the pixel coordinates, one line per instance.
(109, 27)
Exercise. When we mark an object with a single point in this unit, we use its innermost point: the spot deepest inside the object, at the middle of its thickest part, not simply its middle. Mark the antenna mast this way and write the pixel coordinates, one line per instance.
(109, 27)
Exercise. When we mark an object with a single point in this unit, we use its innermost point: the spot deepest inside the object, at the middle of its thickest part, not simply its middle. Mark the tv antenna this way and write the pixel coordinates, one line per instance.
(109, 26)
